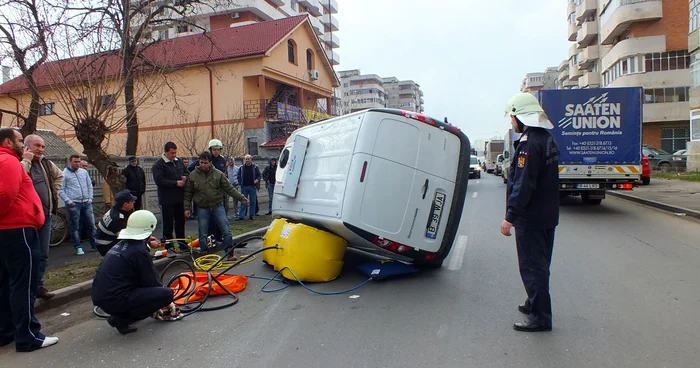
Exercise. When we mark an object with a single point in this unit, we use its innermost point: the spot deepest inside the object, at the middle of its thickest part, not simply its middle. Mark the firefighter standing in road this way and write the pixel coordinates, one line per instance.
(533, 206)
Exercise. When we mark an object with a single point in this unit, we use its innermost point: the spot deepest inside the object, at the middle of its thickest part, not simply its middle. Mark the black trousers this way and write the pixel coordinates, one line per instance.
(534, 258)
(173, 213)
(19, 261)
(139, 304)
(137, 204)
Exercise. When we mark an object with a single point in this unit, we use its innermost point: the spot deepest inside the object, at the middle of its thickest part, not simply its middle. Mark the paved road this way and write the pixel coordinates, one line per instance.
(625, 283)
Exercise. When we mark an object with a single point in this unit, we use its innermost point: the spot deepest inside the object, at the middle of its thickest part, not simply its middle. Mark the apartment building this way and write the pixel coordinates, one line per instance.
(363, 91)
(533, 82)
(694, 50)
(405, 95)
(216, 15)
(619, 43)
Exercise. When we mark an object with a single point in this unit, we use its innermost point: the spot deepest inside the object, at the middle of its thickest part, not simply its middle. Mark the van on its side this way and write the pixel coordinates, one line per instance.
(391, 182)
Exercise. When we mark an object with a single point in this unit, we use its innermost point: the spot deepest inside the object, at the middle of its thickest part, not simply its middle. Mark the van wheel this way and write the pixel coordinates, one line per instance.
(646, 181)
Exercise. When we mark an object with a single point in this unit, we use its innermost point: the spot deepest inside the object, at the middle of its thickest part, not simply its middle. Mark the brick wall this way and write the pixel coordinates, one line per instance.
(651, 132)
(674, 25)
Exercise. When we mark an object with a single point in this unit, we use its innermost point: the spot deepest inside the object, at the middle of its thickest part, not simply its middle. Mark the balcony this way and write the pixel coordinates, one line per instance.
(532, 83)
(575, 73)
(329, 6)
(587, 34)
(330, 22)
(564, 65)
(619, 14)
(316, 23)
(564, 75)
(569, 84)
(331, 39)
(573, 50)
(586, 9)
(694, 41)
(573, 30)
(633, 46)
(589, 79)
(279, 2)
(589, 55)
(313, 6)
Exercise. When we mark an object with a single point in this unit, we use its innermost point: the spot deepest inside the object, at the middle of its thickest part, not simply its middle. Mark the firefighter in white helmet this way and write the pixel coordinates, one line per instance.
(533, 206)
(126, 284)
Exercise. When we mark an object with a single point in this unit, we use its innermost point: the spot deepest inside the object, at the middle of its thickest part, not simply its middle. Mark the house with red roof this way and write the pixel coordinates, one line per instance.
(248, 85)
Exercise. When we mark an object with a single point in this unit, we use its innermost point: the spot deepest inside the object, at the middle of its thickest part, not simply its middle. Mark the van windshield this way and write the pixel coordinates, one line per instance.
(473, 161)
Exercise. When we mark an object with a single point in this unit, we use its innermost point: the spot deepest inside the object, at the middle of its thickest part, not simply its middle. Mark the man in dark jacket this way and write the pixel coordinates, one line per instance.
(270, 179)
(126, 284)
(533, 206)
(114, 221)
(206, 187)
(249, 178)
(135, 181)
(170, 176)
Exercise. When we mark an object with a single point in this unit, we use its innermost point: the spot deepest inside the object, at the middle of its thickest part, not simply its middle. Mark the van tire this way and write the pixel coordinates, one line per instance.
(646, 181)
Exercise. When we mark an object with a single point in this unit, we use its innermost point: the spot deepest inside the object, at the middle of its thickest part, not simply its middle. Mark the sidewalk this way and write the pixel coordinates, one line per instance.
(676, 196)
(64, 254)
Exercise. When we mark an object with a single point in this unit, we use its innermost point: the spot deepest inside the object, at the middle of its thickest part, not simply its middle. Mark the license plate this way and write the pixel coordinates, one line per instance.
(587, 186)
(435, 215)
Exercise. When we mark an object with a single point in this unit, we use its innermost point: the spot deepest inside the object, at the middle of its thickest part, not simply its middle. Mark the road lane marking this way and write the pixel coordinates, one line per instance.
(477, 181)
(442, 331)
(475, 194)
(458, 254)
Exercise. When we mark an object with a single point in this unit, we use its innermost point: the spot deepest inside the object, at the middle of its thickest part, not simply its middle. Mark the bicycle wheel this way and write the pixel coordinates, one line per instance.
(59, 229)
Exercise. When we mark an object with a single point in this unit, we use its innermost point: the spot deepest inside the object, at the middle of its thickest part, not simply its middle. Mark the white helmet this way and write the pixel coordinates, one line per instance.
(140, 225)
(215, 143)
(527, 109)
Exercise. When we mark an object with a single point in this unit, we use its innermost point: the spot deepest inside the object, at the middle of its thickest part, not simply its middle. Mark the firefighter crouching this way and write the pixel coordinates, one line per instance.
(126, 284)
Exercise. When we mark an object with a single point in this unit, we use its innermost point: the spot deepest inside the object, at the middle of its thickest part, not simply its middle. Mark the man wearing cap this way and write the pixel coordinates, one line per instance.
(532, 206)
(126, 284)
(135, 180)
(114, 221)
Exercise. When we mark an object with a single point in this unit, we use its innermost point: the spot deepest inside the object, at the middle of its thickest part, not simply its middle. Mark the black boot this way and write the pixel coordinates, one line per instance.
(121, 325)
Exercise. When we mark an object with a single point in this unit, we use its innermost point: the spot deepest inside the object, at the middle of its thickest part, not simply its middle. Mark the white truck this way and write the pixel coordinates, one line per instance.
(390, 182)
(508, 152)
(493, 149)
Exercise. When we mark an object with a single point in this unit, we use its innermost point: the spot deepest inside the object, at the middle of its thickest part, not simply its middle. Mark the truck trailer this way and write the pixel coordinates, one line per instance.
(599, 133)
(493, 149)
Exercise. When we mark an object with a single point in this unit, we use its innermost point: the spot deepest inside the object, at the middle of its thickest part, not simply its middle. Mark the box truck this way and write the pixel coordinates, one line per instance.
(508, 152)
(390, 182)
(599, 133)
(493, 149)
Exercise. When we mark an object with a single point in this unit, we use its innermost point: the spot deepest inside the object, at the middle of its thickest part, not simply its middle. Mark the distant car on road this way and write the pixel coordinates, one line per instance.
(474, 168)
(662, 160)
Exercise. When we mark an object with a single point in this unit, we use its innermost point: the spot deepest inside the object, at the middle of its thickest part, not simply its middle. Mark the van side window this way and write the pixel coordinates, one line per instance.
(284, 158)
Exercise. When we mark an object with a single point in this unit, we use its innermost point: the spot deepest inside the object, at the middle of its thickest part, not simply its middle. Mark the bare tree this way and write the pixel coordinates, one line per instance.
(232, 134)
(152, 143)
(187, 129)
(132, 23)
(25, 29)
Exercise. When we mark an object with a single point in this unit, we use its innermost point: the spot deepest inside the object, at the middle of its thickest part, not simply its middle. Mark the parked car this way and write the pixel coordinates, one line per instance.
(474, 168)
(646, 170)
(662, 160)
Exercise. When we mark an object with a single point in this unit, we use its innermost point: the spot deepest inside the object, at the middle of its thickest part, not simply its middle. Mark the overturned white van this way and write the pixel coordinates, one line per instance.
(390, 182)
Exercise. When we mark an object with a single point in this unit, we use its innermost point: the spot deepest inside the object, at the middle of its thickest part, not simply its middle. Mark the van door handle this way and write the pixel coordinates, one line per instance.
(425, 188)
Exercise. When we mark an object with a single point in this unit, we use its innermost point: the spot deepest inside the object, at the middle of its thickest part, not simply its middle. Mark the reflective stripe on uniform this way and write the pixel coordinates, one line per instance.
(104, 229)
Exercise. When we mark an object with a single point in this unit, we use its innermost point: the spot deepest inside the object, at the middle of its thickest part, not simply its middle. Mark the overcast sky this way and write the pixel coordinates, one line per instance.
(469, 56)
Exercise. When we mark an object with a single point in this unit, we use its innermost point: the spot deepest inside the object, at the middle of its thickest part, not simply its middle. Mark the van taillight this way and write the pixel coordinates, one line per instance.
(391, 245)
(364, 171)
(429, 256)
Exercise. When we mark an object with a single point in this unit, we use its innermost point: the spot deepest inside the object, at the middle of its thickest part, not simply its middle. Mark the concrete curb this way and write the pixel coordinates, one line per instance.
(655, 204)
(70, 293)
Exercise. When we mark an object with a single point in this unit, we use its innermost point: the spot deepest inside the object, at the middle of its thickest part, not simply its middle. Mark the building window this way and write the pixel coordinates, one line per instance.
(695, 69)
(674, 139)
(292, 51)
(47, 109)
(253, 146)
(663, 95)
(694, 22)
(107, 102)
(695, 125)
(309, 59)
(670, 60)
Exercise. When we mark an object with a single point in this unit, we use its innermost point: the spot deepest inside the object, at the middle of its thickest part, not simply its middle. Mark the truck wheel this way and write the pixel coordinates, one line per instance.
(646, 181)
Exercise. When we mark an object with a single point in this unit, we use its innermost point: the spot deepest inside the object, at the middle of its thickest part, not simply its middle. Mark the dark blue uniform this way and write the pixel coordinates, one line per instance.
(126, 284)
(533, 209)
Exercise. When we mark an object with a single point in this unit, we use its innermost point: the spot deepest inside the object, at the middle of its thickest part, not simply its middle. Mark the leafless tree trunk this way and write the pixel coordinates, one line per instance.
(187, 135)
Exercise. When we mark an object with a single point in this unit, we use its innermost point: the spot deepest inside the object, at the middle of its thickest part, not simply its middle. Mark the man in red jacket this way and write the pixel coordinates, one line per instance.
(21, 215)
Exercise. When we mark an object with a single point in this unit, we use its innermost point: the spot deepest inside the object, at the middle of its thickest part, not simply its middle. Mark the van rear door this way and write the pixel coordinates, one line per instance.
(409, 181)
